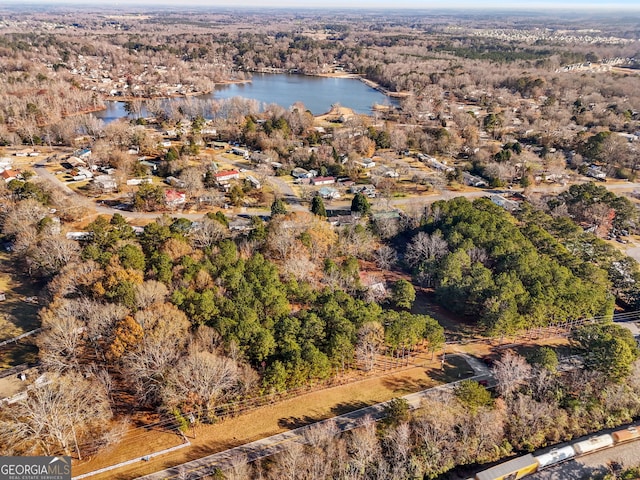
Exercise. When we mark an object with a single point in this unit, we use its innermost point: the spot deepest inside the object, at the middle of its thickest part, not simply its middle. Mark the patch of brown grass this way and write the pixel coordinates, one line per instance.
(259, 423)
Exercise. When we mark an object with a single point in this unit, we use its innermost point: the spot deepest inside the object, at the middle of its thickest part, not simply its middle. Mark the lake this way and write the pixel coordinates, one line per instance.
(317, 94)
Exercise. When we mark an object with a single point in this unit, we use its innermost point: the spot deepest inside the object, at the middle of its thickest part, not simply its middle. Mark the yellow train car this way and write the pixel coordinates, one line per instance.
(511, 470)
(626, 434)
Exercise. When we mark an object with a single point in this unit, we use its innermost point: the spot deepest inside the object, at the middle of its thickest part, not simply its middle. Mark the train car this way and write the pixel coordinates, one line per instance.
(626, 434)
(592, 444)
(554, 456)
(511, 470)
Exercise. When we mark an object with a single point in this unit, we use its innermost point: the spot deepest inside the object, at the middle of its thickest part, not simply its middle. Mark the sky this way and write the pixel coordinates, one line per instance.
(366, 4)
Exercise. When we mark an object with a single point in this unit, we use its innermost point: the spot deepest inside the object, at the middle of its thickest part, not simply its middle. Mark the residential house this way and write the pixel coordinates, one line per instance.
(299, 173)
(9, 175)
(255, 183)
(240, 224)
(435, 164)
(175, 182)
(106, 183)
(595, 172)
(473, 180)
(509, 205)
(83, 153)
(329, 193)
(78, 236)
(139, 181)
(152, 165)
(323, 181)
(227, 175)
(174, 198)
(74, 162)
(366, 163)
(241, 152)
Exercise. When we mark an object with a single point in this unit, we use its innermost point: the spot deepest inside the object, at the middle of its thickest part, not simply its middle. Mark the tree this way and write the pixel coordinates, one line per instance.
(403, 294)
(148, 198)
(127, 335)
(317, 206)
(607, 348)
(473, 395)
(385, 257)
(396, 412)
(278, 207)
(62, 414)
(62, 340)
(544, 357)
(208, 232)
(511, 371)
(424, 247)
(360, 204)
(199, 380)
(370, 340)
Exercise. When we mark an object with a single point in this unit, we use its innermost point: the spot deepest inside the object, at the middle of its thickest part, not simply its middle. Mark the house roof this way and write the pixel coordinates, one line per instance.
(226, 173)
(7, 174)
(323, 179)
(173, 195)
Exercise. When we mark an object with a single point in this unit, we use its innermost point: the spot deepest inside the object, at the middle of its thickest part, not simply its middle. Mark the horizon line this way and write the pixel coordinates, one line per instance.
(533, 6)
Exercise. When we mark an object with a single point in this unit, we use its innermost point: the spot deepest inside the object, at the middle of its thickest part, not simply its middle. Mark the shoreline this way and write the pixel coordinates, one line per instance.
(345, 75)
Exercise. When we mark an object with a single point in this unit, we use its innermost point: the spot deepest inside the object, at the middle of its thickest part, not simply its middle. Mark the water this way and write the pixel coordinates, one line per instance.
(316, 93)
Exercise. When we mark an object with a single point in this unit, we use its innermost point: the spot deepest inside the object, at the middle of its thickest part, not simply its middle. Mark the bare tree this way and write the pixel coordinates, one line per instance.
(208, 233)
(425, 247)
(370, 340)
(364, 447)
(60, 415)
(386, 257)
(510, 372)
(61, 340)
(52, 253)
(150, 292)
(289, 464)
(239, 468)
(199, 380)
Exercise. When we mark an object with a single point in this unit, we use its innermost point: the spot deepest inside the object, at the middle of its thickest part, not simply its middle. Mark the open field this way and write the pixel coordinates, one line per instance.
(272, 419)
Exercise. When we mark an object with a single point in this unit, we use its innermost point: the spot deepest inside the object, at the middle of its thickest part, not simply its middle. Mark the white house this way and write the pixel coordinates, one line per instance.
(174, 198)
(595, 172)
(366, 163)
(299, 172)
(227, 175)
(106, 183)
(323, 180)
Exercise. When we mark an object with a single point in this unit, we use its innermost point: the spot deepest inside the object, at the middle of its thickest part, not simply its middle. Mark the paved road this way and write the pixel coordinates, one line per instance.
(288, 195)
(266, 447)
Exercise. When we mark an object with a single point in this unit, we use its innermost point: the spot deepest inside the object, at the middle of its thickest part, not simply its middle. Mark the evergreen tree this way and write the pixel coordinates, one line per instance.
(317, 207)
(360, 204)
(278, 207)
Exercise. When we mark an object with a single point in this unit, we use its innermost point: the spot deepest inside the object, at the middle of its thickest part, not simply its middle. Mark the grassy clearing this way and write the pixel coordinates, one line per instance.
(273, 419)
